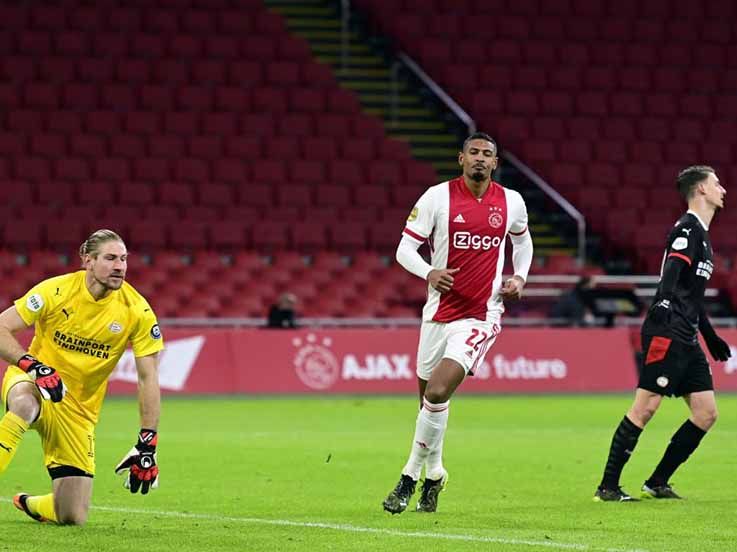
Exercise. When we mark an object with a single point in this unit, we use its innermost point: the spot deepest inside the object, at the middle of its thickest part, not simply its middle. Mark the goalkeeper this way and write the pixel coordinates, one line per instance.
(83, 322)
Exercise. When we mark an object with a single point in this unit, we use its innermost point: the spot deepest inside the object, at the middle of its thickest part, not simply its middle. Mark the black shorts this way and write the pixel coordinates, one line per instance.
(672, 368)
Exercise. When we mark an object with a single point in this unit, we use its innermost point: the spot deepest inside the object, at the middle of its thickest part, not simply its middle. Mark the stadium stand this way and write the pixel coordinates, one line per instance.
(193, 127)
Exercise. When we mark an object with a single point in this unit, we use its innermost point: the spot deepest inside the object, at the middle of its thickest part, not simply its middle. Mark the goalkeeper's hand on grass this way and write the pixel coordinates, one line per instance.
(46, 378)
(139, 465)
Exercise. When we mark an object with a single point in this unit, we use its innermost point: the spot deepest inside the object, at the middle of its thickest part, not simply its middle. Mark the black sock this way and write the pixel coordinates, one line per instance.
(682, 444)
(623, 443)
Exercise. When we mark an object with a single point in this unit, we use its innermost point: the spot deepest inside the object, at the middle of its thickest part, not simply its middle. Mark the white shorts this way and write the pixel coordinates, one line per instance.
(465, 341)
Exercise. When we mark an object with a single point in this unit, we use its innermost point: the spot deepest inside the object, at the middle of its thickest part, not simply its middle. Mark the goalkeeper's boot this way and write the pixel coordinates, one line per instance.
(612, 495)
(430, 490)
(659, 491)
(397, 501)
(20, 501)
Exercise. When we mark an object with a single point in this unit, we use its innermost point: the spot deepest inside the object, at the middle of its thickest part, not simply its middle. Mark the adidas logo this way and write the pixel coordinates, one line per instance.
(459, 218)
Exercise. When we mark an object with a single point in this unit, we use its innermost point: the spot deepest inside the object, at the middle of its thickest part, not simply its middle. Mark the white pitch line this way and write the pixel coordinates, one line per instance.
(358, 529)
(372, 530)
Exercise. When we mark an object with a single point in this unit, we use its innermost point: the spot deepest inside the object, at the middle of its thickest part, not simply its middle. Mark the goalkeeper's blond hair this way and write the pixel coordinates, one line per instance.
(91, 246)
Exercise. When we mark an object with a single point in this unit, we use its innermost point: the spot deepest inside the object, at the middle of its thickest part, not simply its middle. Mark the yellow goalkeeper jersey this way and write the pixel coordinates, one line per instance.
(83, 339)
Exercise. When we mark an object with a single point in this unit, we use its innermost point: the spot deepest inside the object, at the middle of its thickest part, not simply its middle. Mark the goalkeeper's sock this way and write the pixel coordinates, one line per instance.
(429, 430)
(681, 445)
(12, 428)
(43, 506)
(623, 444)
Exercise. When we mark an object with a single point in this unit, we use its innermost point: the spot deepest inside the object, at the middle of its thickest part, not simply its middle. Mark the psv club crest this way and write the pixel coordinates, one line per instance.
(495, 217)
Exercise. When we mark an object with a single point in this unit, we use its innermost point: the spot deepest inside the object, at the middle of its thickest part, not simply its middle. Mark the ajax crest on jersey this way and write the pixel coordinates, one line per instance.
(495, 220)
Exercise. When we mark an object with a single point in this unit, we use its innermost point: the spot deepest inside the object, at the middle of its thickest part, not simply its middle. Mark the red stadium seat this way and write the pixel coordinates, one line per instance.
(232, 170)
(103, 122)
(210, 72)
(166, 146)
(147, 236)
(55, 193)
(216, 195)
(161, 213)
(270, 236)
(72, 44)
(220, 124)
(229, 235)
(156, 98)
(40, 96)
(192, 170)
(65, 235)
(309, 236)
(188, 235)
(88, 145)
(136, 193)
(175, 193)
(232, 98)
(32, 168)
(332, 195)
(348, 237)
(22, 237)
(256, 195)
(63, 121)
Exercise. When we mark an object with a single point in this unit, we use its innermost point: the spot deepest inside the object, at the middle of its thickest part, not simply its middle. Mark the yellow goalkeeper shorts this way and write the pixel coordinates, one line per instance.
(68, 439)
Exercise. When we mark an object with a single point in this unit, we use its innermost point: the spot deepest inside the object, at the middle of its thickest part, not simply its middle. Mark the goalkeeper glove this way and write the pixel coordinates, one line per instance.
(718, 348)
(46, 378)
(140, 463)
(660, 312)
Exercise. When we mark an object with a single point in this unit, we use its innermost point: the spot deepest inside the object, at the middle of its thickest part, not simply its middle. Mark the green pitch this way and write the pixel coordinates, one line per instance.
(310, 474)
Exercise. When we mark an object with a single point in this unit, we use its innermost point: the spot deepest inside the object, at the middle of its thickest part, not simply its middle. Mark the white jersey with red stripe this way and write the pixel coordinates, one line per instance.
(467, 233)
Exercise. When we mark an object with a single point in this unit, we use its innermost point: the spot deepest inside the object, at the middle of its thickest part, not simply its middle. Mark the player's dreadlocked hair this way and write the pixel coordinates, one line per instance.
(480, 136)
(91, 245)
(689, 177)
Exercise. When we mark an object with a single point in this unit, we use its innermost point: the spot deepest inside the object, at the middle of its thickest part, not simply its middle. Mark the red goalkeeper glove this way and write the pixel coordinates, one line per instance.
(140, 463)
(46, 378)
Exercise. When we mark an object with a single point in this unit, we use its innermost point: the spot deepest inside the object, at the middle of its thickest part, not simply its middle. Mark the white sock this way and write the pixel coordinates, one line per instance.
(434, 465)
(431, 423)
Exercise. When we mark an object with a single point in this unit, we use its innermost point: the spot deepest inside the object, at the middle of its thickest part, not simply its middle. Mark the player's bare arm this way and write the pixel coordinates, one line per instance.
(10, 324)
(149, 395)
(442, 279)
(512, 288)
(46, 378)
(139, 465)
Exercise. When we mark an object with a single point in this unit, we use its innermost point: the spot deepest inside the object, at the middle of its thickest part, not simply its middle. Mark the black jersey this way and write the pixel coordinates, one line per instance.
(688, 241)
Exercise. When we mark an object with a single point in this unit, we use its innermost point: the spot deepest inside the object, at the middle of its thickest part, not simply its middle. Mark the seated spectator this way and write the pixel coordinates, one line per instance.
(281, 314)
(572, 306)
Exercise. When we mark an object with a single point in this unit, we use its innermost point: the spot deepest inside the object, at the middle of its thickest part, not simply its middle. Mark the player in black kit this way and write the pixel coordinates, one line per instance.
(673, 362)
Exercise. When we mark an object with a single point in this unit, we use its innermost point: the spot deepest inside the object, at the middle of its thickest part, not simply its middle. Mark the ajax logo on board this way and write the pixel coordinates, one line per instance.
(318, 367)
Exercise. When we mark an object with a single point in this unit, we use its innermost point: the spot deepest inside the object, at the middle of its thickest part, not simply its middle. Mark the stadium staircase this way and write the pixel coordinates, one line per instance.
(410, 111)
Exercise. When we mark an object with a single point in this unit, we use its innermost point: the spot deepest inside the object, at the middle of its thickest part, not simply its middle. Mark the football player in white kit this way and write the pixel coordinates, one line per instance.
(465, 221)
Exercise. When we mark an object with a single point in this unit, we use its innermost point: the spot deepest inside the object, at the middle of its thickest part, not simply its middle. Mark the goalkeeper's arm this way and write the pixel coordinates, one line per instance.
(46, 378)
(140, 462)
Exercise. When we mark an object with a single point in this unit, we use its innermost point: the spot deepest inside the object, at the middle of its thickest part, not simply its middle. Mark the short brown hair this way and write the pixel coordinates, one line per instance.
(689, 177)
